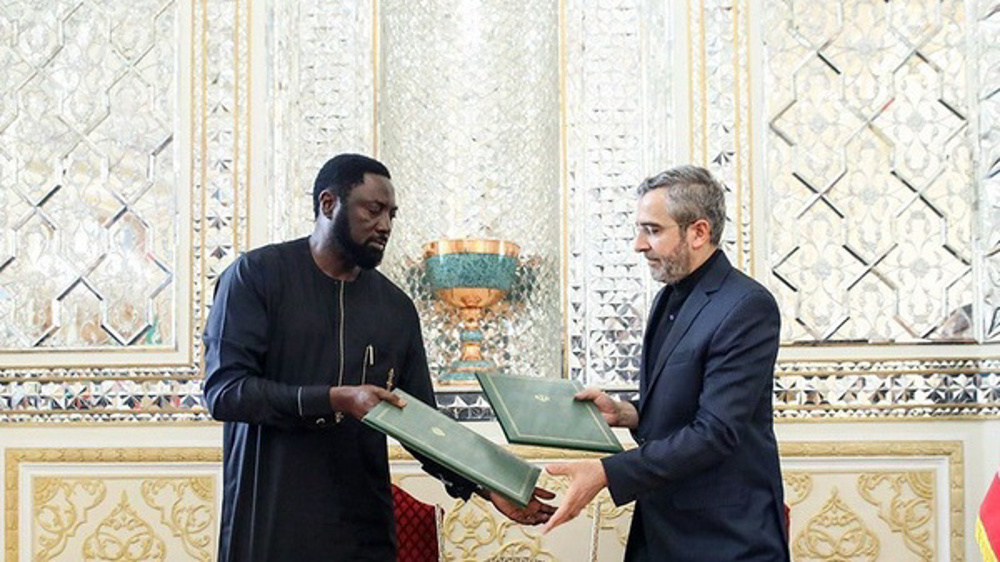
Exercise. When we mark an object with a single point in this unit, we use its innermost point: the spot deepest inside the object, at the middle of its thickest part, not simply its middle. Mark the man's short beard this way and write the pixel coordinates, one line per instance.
(672, 271)
(360, 254)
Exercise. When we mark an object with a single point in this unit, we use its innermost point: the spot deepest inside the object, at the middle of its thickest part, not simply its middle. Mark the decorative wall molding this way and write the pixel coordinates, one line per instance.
(185, 504)
(892, 488)
(903, 497)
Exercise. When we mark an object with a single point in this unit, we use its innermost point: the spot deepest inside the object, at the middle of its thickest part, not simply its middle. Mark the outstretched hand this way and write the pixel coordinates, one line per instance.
(356, 401)
(534, 513)
(587, 478)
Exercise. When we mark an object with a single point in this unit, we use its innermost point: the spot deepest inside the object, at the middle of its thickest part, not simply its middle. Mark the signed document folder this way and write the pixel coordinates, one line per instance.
(542, 411)
(452, 445)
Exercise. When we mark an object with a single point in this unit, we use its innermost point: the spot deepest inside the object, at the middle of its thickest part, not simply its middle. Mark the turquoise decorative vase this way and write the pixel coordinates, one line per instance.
(470, 275)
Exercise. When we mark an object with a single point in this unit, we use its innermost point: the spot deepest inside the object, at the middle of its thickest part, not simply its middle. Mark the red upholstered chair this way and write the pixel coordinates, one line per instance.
(788, 522)
(417, 524)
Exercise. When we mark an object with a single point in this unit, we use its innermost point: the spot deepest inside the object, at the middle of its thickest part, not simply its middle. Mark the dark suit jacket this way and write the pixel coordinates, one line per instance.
(705, 476)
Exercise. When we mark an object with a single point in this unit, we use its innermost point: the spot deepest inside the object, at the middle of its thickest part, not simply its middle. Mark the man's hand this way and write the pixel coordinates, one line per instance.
(356, 401)
(586, 479)
(535, 513)
(617, 414)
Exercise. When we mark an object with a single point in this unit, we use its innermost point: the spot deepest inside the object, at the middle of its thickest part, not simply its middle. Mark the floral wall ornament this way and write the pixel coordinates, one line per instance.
(836, 533)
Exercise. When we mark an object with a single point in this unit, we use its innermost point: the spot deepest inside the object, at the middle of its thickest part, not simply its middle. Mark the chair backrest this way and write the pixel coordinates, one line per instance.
(788, 522)
(417, 528)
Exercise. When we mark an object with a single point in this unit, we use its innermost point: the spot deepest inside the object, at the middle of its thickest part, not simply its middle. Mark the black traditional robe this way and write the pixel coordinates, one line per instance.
(298, 485)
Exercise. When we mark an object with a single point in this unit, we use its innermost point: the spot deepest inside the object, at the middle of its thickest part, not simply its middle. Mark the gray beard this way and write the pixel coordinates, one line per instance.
(672, 273)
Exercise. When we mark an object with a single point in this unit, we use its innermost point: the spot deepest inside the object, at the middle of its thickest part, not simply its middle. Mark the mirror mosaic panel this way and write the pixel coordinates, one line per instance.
(898, 245)
(871, 171)
(89, 220)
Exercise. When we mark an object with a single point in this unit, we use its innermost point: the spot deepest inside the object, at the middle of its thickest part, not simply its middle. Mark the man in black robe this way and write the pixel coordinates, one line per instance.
(303, 339)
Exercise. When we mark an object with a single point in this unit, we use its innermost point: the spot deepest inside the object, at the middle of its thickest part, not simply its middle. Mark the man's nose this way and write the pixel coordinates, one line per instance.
(384, 223)
(641, 244)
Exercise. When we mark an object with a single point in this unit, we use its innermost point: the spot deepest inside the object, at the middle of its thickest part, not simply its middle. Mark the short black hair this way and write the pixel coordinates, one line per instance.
(342, 172)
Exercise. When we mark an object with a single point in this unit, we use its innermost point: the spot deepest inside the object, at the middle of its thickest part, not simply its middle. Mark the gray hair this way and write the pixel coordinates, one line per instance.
(692, 193)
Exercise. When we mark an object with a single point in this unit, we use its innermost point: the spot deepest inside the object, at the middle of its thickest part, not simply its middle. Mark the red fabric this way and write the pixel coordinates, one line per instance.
(989, 518)
(788, 519)
(416, 528)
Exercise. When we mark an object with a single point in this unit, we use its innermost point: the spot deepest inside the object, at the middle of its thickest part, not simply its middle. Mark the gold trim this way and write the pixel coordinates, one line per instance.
(784, 367)
(97, 378)
(471, 246)
(15, 456)
(186, 504)
(115, 423)
(376, 43)
(93, 412)
(138, 350)
(703, 75)
(910, 517)
(690, 56)
(737, 136)
(194, 309)
(564, 172)
(870, 407)
(839, 419)
(887, 418)
(912, 349)
(750, 137)
(798, 486)
(200, 311)
(953, 450)
(234, 180)
(526, 452)
(781, 373)
(79, 497)
(124, 527)
(836, 532)
(248, 6)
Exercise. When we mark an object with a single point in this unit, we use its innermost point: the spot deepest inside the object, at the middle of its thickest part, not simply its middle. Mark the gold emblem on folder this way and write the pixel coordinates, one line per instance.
(542, 397)
(437, 431)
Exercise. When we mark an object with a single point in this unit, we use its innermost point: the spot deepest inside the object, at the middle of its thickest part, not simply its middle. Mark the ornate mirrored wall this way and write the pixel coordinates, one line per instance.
(870, 150)
(89, 246)
(881, 224)
(124, 191)
(143, 148)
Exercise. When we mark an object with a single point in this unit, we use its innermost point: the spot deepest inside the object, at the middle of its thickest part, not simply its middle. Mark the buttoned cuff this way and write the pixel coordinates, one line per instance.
(313, 401)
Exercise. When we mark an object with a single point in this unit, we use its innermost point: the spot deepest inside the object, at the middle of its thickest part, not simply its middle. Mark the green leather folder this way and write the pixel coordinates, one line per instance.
(451, 444)
(542, 411)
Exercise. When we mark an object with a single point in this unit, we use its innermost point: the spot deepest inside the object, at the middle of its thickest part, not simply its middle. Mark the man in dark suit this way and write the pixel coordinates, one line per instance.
(705, 475)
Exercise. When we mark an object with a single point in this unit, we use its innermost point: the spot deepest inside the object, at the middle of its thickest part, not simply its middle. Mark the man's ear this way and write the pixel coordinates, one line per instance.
(327, 203)
(700, 232)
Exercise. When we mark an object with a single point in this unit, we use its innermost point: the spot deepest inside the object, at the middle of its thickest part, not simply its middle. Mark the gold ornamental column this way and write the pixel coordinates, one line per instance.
(468, 122)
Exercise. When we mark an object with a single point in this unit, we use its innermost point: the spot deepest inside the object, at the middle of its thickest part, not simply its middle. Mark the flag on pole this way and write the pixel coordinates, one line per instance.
(988, 524)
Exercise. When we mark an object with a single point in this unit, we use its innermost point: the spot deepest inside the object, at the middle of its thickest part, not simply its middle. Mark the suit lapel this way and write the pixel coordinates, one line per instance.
(696, 301)
(692, 306)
